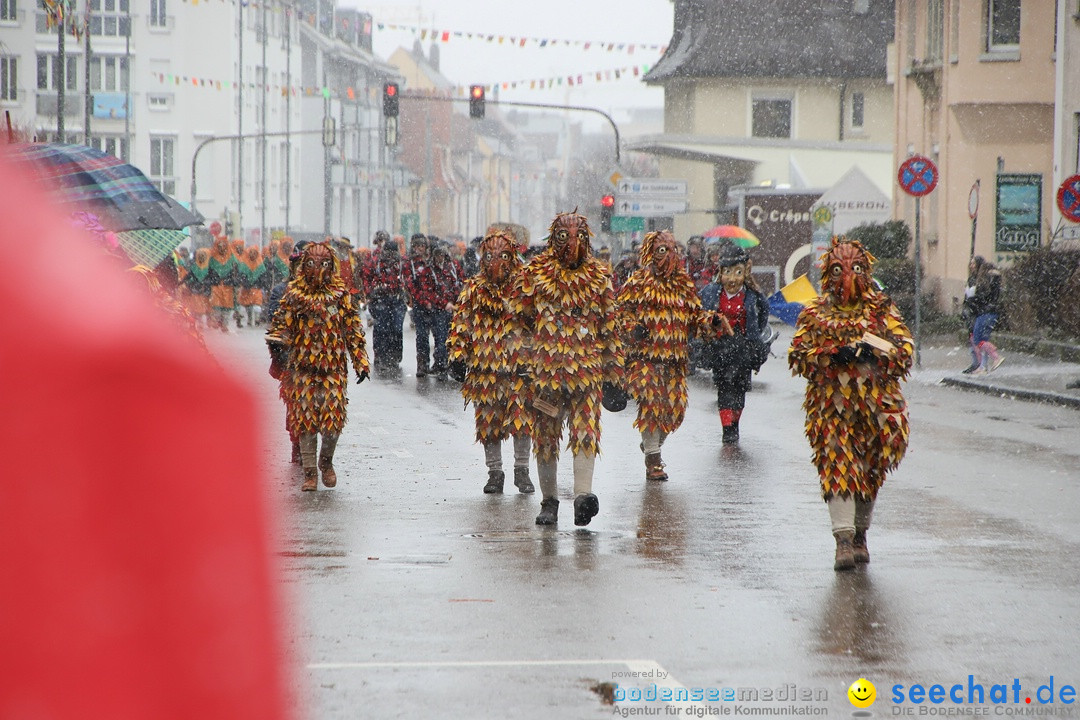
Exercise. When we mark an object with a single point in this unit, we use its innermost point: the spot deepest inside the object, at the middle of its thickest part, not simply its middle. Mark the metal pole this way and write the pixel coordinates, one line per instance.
(262, 135)
(240, 121)
(127, 87)
(61, 61)
(918, 289)
(328, 201)
(288, 115)
(87, 97)
(207, 141)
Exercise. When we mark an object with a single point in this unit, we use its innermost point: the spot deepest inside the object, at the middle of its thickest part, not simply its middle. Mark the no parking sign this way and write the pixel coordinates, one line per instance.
(918, 175)
(1068, 198)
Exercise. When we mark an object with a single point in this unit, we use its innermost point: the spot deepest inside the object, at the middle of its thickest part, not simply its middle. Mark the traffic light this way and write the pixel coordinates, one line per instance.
(476, 101)
(390, 100)
(607, 209)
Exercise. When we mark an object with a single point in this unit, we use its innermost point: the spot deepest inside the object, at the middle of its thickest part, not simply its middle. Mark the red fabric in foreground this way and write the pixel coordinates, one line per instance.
(137, 578)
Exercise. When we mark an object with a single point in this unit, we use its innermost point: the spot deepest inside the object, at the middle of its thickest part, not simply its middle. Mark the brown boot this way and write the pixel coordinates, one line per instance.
(845, 555)
(311, 479)
(858, 546)
(326, 460)
(654, 467)
(329, 477)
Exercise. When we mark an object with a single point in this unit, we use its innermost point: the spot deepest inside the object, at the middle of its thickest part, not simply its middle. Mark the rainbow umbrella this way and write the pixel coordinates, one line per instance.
(740, 236)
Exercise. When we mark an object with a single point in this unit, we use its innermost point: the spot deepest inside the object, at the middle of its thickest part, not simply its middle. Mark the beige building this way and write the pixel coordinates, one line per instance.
(782, 93)
(975, 89)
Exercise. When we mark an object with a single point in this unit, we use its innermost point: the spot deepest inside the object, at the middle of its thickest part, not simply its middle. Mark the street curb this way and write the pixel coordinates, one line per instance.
(1018, 393)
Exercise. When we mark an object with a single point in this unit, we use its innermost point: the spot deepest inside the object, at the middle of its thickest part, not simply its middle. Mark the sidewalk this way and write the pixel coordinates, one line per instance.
(1024, 375)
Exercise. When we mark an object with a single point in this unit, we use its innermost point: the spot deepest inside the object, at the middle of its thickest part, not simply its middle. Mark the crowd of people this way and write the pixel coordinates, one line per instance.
(542, 341)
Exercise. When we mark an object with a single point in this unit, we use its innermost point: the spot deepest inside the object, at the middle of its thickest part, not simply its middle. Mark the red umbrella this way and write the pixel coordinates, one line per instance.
(740, 236)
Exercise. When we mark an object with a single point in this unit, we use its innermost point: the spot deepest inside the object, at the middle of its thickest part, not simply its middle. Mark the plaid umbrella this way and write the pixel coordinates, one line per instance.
(119, 193)
(149, 247)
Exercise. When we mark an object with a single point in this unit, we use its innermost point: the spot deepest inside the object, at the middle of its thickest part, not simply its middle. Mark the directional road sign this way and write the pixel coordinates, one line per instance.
(918, 175)
(650, 207)
(1068, 198)
(633, 187)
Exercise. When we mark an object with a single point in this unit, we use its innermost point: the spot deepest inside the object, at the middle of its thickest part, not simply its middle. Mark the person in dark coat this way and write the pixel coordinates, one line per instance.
(735, 357)
(386, 300)
(982, 304)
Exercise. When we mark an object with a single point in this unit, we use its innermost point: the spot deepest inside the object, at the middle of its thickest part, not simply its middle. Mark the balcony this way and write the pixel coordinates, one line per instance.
(46, 104)
(926, 74)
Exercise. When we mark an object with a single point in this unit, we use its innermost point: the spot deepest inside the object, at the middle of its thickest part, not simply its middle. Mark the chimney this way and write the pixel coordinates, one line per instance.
(433, 58)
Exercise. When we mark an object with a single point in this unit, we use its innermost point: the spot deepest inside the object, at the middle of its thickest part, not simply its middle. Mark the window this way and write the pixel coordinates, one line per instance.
(158, 18)
(115, 145)
(108, 73)
(7, 10)
(162, 164)
(9, 77)
(159, 102)
(935, 30)
(771, 118)
(858, 107)
(48, 72)
(109, 17)
(1003, 25)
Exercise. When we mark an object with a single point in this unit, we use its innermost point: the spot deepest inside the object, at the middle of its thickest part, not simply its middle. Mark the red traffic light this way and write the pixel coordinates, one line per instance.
(608, 201)
(476, 101)
(390, 100)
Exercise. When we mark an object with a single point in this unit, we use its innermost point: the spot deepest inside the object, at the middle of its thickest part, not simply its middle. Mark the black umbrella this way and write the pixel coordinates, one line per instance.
(166, 214)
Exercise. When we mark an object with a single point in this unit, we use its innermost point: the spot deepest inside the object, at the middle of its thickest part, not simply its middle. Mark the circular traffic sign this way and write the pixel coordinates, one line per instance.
(918, 175)
(973, 201)
(1068, 198)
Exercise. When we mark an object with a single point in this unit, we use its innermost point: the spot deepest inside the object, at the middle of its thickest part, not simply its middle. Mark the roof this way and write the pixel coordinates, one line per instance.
(777, 38)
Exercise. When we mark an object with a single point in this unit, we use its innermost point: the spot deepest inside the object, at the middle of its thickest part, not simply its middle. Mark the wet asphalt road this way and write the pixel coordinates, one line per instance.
(414, 595)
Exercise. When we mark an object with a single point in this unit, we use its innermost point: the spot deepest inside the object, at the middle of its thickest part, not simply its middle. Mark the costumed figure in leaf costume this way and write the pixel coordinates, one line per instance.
(484, 355)
(563, 304)
(853, 348)
(313, 336)
(659, 313)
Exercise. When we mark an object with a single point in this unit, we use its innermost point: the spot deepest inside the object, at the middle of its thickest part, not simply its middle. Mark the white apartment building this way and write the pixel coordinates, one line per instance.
(188, 72)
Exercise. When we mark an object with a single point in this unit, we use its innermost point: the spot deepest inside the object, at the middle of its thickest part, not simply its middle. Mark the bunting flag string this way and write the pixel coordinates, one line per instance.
(461, 91)
(365, 25)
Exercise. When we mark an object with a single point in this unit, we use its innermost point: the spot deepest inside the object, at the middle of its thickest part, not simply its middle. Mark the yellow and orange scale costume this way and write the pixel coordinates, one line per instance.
(856, 417)
(658, 314)
(566, 312)
(322, 331)
(481, 336)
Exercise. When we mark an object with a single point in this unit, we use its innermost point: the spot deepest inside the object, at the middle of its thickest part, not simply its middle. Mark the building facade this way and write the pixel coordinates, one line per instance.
(170, 85)
(975, 92)
(781, 93)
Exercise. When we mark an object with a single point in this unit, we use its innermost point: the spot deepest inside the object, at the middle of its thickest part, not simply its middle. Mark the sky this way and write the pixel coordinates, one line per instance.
(644, 24)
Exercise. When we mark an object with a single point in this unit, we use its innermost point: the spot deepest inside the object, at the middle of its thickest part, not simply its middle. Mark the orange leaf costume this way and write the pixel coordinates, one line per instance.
(321, 331)
(564, 307)
(483, 346)
(856, 417)
(659, 312)
(482, 337)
